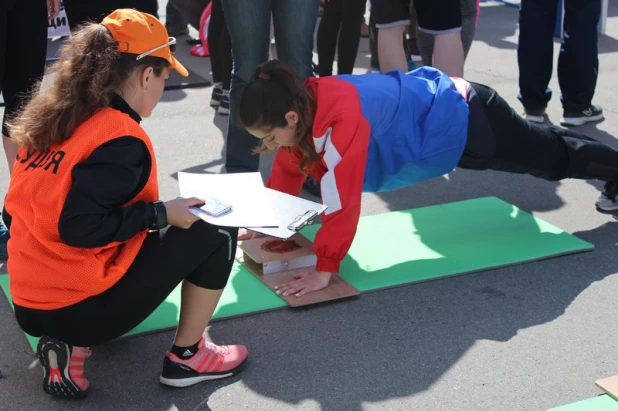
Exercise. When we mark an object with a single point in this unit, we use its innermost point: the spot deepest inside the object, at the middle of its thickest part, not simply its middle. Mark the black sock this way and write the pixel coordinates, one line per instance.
(184, 353)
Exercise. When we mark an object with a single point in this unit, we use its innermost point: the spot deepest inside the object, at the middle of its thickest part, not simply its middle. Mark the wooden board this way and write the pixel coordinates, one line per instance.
(254, 249)
(337, 289)
(274, 262)
(609, 385)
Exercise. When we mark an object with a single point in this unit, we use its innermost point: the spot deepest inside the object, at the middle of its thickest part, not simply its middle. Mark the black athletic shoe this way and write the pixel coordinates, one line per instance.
(215, 98)
(578, 118)
(224, 104)
(607, 202)
(63, 368)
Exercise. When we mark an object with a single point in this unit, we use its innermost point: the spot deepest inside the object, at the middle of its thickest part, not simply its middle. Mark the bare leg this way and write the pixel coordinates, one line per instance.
(448, 54)
(10, 150)
(196, 309)
(391, 54)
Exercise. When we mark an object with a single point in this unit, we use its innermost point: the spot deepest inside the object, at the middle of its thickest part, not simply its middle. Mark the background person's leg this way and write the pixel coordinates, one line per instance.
(442, 18)
(537, 19)
(469, 14)
(578, 62)
(24, 63)
(349, 35)
(391, 17)
(294, 23)
(248, 22)
(328, 33)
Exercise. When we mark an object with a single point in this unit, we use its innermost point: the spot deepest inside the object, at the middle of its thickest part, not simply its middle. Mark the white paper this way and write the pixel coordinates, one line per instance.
(246, 193)
(287, 208)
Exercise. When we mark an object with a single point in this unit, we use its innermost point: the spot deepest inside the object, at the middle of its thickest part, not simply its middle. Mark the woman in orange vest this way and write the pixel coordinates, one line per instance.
(90, 255)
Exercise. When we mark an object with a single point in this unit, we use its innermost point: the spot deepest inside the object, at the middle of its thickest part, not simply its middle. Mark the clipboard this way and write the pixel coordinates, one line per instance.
(292, 214)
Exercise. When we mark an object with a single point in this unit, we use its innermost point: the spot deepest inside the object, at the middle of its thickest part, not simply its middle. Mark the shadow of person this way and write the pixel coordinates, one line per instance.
(539, 195)
(496, 24)
(173, 95)
(396, 343)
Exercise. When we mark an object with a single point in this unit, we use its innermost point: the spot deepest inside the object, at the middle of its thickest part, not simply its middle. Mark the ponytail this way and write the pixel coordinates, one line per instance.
(90, 70)
(273, 91)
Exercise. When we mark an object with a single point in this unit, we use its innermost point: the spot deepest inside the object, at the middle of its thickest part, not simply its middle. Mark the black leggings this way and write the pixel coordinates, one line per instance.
(341, 19)
(203, 255)
(499, 139)
(23, 48)
(220, 45)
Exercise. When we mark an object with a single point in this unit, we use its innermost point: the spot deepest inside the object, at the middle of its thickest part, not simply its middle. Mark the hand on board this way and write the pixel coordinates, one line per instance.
(244, 234)
(305, 283)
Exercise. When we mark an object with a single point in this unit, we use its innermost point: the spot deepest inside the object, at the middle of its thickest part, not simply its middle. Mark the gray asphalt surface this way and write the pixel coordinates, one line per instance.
(528, 337)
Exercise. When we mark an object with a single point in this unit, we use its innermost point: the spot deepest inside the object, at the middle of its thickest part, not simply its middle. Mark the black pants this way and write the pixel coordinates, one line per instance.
(578, 63)
(83, 11)
(220, 46)
(23, 48)
(499, 139)
(341, 20)
(203, 255)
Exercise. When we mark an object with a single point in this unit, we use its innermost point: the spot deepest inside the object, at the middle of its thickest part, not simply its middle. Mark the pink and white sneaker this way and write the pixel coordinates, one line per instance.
(210, 362)
(63, 368)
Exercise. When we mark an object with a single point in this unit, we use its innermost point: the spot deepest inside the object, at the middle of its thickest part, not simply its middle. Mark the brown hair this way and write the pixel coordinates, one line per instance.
(273, 91)
(90, 70)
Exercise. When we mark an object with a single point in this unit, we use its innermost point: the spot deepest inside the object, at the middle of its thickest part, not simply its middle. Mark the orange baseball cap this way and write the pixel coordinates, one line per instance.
(142, 34)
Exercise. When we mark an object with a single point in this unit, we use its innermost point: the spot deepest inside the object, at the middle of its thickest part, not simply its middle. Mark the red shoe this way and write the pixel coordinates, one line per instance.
(63, 368)
(210, 362)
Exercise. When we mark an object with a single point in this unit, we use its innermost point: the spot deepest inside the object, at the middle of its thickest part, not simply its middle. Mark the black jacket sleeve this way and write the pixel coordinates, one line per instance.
(93, 215)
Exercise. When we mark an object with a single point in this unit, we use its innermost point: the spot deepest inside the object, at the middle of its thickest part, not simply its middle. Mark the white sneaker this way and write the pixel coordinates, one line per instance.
(606, 204)
(535, 116)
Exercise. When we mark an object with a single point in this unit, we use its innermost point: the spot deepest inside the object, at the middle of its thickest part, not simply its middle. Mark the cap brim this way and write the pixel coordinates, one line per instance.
(179, 67)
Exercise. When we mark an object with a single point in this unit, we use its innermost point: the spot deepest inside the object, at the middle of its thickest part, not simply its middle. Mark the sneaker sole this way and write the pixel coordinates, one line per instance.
(55, 358)
(223, 111)
(214, 103)
(580, 121)
(613, 211)
(189, 381)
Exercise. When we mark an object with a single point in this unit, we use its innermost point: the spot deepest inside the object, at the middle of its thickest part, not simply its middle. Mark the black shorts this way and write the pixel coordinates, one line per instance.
(433, 16)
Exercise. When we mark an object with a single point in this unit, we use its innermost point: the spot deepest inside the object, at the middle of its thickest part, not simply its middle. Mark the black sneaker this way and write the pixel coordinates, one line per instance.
(63, 368)
(312, 187)
(215, 98)
(224, 104)
(578, 118)
(535, 116)
(607, 203)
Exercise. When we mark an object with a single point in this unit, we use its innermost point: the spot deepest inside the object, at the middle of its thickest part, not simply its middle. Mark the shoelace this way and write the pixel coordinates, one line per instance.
(217, 349)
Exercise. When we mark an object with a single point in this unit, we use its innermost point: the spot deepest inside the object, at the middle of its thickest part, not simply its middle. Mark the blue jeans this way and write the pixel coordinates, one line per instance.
(249, 25)
(578, 62)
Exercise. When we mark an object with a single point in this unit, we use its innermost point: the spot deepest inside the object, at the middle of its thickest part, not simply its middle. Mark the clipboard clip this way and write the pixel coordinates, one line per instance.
(302, 220)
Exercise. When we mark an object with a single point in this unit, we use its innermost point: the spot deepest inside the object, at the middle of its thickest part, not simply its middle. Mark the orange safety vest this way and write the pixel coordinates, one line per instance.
(45, 272)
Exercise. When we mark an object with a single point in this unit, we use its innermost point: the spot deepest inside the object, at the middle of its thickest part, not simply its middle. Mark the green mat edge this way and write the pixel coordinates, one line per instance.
(587, 246)
(599, 403)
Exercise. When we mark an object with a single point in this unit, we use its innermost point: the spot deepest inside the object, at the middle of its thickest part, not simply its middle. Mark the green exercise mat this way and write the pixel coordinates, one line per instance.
(405, 247)
(457, 238)
(601, 403)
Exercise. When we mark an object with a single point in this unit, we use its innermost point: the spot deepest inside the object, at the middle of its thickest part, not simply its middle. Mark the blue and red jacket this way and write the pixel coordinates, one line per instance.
(374, 133)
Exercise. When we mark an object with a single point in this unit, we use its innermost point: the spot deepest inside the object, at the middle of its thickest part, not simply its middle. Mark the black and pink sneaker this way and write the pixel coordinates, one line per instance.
(63, 368)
